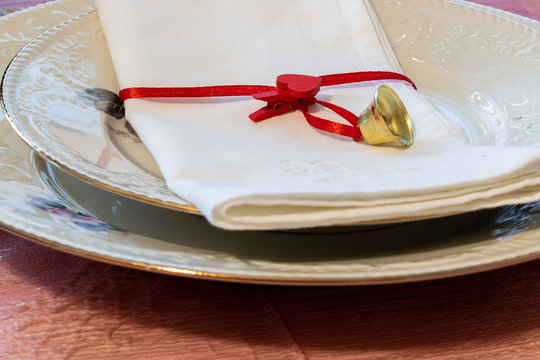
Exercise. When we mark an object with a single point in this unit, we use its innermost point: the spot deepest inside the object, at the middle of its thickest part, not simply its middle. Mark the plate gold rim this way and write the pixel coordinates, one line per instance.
(264, 280)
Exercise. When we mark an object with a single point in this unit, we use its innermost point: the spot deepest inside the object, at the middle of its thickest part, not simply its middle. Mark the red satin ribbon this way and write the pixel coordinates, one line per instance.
(295, 92)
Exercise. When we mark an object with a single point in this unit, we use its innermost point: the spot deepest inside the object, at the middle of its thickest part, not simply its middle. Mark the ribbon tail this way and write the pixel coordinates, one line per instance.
(332, 126)
(344, 113)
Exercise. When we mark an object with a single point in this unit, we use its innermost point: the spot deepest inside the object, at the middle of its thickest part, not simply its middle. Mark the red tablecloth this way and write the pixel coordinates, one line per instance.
(54, 305)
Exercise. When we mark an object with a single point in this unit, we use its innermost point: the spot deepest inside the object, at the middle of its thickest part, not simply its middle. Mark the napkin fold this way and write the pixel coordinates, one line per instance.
(282, 173)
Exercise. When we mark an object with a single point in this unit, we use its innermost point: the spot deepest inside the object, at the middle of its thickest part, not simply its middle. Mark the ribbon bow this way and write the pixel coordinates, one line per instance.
(298, 92)
(291, 93)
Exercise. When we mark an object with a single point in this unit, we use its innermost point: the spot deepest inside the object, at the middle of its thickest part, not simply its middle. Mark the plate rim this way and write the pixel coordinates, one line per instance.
(268, 280)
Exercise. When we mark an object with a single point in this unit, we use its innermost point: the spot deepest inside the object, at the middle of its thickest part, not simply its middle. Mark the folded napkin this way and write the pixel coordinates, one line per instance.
(282, 173)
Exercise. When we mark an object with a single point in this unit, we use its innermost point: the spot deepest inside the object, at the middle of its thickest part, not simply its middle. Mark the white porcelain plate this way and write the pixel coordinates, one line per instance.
(50, 207)
(60, 91)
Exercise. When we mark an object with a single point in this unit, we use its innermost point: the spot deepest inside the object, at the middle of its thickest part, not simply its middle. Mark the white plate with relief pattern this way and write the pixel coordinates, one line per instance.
(40, 202)
(54, 88)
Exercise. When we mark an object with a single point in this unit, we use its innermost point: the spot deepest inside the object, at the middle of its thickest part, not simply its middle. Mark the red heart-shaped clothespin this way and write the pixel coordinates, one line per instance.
(299, 86)
(291, 88)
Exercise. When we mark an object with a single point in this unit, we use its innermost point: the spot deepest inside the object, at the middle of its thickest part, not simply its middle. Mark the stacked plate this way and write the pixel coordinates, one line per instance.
(99, 194)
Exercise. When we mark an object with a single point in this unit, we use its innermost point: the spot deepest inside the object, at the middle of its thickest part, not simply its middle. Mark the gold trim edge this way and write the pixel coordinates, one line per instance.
(268, 280)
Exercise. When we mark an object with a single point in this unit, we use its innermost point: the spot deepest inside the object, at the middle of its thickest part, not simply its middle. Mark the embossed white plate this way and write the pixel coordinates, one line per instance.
(63, 85)
(461, 57)
(40, 202)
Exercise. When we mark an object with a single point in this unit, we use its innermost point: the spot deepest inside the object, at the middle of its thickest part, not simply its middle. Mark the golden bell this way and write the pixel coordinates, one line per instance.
(386, 120)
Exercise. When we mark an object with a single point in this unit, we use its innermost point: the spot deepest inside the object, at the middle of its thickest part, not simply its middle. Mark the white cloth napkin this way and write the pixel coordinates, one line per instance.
(282, 173)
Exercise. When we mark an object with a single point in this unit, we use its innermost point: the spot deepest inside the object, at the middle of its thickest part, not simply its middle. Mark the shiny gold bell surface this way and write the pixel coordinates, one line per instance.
(386, 120)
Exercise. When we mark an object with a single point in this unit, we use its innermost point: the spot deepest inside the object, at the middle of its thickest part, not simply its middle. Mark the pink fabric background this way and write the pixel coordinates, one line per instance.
(58, 306)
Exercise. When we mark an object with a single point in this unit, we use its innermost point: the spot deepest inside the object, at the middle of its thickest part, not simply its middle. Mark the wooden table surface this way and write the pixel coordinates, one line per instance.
(58, 306)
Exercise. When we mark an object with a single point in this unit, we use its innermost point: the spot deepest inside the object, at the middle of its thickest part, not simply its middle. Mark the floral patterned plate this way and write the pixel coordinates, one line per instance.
(50, 207)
